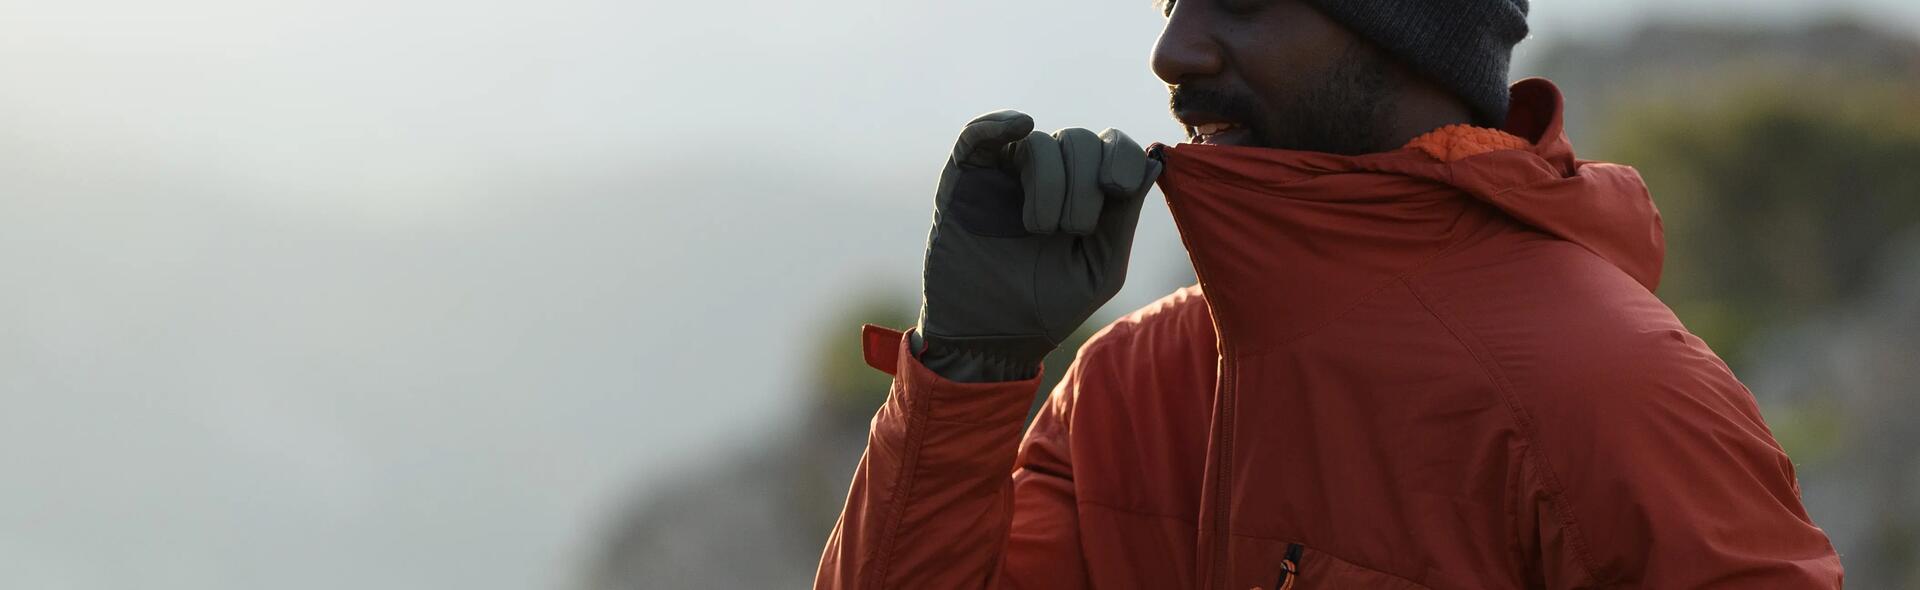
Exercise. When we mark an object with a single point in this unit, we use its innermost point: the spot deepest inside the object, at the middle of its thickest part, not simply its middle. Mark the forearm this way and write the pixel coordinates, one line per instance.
(928, 506)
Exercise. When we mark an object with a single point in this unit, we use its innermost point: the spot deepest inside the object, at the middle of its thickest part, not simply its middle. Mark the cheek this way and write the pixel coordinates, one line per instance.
(1277, 69)
(1272, 74)
(1284, 47)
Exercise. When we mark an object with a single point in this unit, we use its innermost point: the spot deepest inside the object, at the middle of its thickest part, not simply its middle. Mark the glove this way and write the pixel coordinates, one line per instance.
(1031, 234)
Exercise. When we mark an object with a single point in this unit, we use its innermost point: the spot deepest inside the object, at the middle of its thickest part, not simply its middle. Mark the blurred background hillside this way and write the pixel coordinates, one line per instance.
(505, 294)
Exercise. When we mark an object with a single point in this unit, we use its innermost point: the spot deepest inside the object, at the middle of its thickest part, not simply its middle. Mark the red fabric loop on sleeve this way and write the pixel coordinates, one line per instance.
(881, 347)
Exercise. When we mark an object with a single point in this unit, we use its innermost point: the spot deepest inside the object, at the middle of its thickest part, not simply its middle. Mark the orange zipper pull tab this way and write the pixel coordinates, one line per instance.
(1290, 567)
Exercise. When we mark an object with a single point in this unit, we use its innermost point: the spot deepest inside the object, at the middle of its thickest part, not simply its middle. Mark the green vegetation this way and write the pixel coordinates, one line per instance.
(1777, 197)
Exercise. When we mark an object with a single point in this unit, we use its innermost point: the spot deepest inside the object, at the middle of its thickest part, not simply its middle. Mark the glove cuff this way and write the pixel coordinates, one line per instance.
(981, 359)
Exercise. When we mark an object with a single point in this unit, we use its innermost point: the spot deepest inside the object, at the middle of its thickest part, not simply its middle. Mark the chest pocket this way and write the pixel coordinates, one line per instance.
(1307, 569)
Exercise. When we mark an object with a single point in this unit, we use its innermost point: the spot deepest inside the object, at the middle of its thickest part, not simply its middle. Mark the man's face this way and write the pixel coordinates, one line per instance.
(1273, 73)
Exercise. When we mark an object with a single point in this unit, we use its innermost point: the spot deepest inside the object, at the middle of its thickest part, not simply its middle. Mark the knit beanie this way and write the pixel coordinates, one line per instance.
(1464, 45)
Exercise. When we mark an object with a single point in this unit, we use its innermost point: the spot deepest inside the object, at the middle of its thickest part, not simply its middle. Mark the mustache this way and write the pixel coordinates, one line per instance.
(1236, 106)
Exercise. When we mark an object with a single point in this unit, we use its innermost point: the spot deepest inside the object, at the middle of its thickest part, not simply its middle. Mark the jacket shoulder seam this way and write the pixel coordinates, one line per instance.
(1523, 422)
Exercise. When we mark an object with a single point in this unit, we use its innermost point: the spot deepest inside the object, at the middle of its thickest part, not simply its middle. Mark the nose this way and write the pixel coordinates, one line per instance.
(1186, 48)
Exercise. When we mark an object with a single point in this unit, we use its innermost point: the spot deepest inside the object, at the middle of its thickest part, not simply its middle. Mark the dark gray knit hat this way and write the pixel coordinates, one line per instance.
(1464, 45)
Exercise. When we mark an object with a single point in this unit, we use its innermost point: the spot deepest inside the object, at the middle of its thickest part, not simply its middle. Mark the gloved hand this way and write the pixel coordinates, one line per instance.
(1031, 234)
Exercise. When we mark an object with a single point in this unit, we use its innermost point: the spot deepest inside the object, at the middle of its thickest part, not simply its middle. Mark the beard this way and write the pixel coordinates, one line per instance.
(1343, 110)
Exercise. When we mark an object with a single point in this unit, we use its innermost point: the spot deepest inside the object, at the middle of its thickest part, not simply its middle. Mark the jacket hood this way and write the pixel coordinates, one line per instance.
(1350, 223)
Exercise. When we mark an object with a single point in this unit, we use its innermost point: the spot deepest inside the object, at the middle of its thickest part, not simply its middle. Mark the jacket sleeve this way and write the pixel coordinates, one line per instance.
(937, 501)
(1665, 476)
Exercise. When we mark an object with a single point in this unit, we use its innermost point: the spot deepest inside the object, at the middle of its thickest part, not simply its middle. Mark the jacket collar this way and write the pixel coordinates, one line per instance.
(1284, 241)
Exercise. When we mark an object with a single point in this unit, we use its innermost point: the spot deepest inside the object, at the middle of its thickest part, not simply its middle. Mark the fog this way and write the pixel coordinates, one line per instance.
(362, 294)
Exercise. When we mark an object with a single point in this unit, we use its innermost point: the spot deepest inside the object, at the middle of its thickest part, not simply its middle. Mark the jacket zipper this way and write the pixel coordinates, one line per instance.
(1289, 567)
(1224, 397)
(1223, 483)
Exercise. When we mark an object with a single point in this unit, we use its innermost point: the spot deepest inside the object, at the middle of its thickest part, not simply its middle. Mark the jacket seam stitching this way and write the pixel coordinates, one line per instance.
(1523, 422)
(1135, 511)
(917, 411)
(1502, 193)
(990, 422)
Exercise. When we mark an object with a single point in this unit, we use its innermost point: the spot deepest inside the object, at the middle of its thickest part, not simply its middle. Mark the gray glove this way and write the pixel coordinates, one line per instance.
(1031, 234)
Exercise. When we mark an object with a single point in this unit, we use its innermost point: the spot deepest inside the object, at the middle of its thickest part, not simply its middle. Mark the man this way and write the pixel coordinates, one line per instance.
(1424, 350)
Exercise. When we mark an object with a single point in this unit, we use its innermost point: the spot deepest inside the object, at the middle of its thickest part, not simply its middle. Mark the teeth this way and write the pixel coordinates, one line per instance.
(1212, 128)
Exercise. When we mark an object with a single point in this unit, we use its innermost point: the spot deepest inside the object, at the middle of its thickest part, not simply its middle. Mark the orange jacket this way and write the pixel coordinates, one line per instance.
(1431, 368)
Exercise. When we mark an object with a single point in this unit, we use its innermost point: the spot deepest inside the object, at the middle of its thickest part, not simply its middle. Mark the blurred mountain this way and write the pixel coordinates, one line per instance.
(759, 519)
(1690, 63)
(1777, 202)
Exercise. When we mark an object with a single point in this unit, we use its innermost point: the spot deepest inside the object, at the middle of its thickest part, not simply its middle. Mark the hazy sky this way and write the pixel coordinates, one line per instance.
(378, 294)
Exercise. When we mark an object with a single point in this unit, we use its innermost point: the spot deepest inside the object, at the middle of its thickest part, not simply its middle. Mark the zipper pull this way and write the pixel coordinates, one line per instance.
(1289, 567)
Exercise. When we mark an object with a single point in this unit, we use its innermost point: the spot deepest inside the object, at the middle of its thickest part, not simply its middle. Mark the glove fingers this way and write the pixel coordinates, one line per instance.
(982, 140)
(1123, 169)
(1043, 177)
(1112, 244)
(1081, 151)
(1123, 213)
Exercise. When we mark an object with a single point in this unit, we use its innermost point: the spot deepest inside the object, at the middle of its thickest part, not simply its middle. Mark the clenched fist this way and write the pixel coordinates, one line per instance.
(1031, 234)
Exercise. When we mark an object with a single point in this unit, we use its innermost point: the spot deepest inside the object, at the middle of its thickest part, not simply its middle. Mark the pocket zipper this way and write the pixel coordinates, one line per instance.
(1289, 567)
